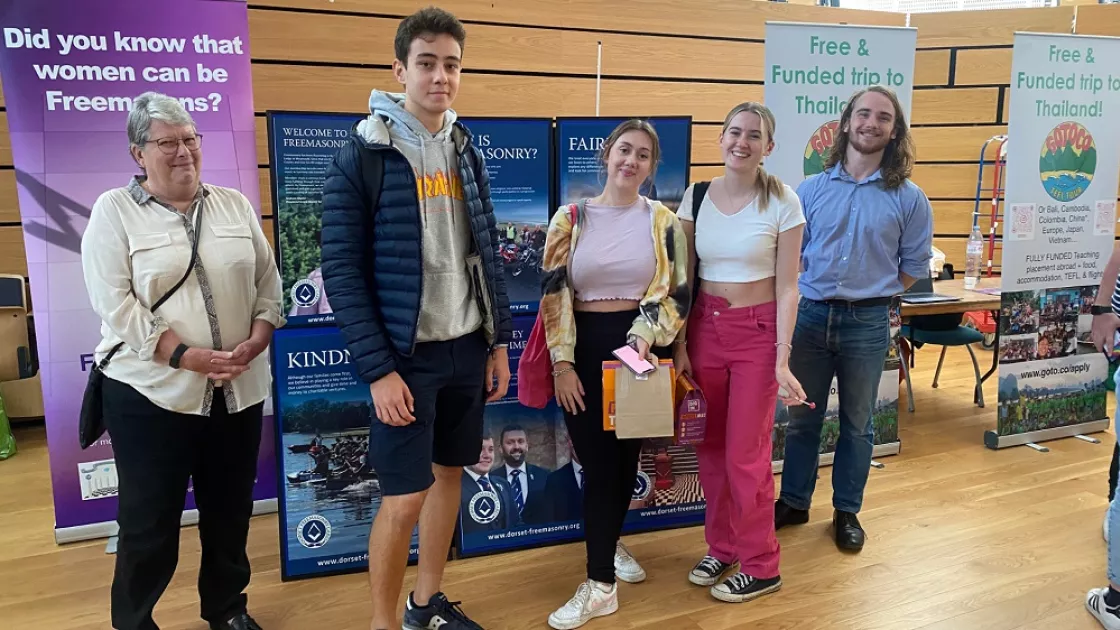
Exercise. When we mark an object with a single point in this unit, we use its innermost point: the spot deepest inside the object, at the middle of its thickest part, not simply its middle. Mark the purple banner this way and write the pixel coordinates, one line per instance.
(70, 69)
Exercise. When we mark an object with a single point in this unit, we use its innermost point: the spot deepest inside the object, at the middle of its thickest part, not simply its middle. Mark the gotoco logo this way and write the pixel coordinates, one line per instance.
(816, 150)
(1068, 161)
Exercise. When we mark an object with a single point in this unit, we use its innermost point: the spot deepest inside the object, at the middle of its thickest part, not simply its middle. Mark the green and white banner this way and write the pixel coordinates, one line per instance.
(812, 70)
(1058, 230)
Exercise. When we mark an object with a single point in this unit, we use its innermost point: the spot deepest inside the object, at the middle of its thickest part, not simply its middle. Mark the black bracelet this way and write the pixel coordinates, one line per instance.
(177, 355)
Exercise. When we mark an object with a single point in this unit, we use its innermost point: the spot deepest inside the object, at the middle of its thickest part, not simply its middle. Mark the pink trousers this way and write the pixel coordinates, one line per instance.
(732, 353)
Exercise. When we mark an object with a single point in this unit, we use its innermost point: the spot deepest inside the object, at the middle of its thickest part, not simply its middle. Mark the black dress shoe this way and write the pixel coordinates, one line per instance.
(849, 534)
(785, 514)
(237, 622)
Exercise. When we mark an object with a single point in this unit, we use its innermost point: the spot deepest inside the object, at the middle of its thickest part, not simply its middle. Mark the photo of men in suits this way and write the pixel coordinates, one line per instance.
(564, 489)
(478, 512)
(526, 481)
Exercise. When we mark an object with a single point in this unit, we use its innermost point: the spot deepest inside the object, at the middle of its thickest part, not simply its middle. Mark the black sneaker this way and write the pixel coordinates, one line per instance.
(439, 613)
(743, 588)
(708, 571)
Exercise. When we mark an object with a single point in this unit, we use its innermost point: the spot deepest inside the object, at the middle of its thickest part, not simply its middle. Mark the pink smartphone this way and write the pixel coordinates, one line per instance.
(629, 357)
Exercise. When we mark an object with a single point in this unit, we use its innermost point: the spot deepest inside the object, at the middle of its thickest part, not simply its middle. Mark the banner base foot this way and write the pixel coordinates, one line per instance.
(111, 546)
(996, 441)
(1039, 448)
(108, 529)
(879, 450)
(1086, 438)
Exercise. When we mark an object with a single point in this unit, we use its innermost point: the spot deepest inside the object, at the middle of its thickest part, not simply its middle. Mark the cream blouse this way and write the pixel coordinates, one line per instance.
(136, 248)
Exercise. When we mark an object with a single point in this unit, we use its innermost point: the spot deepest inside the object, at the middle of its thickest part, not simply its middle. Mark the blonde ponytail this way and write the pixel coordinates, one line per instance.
(769, 186)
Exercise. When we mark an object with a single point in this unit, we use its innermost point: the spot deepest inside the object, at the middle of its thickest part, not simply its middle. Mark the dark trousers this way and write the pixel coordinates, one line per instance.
(610, 465)
(158, 453)
(1113, 470)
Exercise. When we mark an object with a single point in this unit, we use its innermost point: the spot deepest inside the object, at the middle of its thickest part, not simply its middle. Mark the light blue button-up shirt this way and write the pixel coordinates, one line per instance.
(860, 235)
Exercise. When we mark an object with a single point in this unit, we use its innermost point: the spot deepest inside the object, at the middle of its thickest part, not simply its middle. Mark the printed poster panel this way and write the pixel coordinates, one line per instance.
(496, 515)
(1062, 175)
(582, 175)
(70, 73)
(301, 146)
(518, 154)
(329, 494)
(811, 72)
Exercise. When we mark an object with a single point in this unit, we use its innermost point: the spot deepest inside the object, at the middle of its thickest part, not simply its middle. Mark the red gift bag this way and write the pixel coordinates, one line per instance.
(535, 387)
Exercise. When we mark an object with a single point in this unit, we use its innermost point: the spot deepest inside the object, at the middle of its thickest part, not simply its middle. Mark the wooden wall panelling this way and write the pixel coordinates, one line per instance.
(706, 18)
(266, 191)
(967, 105)
(5, 141)
(941, 181)
(316, 88)
(987, 27)
(931, 67)
(13, 259)
(983, 66)
(954, 249)
(955, 144)
(9, 204)
(1098, 19)
(954, 218)
(286, 36)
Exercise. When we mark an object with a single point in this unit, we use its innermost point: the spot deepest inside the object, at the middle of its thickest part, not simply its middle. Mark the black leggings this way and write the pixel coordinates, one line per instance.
(610, 465)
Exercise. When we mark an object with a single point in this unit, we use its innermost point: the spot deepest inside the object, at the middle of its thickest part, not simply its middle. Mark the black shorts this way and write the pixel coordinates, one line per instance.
(447, 382)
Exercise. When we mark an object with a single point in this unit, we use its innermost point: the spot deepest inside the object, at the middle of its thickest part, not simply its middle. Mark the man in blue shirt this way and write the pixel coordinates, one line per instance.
(867, 238)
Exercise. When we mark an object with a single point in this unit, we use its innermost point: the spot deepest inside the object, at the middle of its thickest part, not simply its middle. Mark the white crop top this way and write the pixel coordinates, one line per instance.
(742, 247)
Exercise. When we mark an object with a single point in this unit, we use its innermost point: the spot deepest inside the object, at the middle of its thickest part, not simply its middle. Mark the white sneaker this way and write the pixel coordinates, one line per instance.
(592, 599)
(626, 568)
(1094, 601)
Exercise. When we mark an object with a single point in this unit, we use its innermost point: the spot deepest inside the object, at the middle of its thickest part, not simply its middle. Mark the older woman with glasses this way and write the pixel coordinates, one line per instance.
(188, 293)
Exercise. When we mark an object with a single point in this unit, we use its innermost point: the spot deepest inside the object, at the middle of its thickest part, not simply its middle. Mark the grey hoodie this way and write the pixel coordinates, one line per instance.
(447, 305)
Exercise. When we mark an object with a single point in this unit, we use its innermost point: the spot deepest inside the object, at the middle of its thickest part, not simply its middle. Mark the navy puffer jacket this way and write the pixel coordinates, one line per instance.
(372, 260)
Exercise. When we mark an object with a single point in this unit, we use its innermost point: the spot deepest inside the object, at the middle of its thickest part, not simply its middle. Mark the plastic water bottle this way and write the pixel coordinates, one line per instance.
(974, 253)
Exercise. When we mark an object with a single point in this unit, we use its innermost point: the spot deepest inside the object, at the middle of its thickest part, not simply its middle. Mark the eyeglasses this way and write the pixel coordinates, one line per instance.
(170, 146)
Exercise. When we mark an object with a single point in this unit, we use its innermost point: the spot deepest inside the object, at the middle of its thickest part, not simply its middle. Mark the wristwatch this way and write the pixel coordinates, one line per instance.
(1101, 309)
(177, 355)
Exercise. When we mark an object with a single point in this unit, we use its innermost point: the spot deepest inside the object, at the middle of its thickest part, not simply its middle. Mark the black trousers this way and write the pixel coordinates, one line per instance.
(1114, 470)
(158, 453)
(610, 465)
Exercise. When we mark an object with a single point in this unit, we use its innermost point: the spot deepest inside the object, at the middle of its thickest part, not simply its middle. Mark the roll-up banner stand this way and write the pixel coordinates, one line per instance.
(70, 73)
(1058, 232)
(811, 72)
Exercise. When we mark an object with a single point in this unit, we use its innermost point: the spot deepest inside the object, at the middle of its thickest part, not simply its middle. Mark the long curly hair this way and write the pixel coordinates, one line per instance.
(898, 157)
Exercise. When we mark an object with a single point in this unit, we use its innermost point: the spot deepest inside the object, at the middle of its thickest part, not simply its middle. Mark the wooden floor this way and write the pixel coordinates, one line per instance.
(961, 537)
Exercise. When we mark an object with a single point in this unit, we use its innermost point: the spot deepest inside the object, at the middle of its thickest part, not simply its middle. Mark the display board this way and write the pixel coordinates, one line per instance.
(328, 493)
(811, 72)
(301, 145)
(580, 173)
(70, 73)
(1058, 231)
(518, 154)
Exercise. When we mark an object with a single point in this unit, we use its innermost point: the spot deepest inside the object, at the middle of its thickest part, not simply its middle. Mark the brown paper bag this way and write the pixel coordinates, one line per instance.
(643, 404)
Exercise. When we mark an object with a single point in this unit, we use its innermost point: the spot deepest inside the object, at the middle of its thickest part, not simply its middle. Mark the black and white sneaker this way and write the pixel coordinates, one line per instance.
(743, 588)
(439, 613)
(1108, 616)
(708, 571)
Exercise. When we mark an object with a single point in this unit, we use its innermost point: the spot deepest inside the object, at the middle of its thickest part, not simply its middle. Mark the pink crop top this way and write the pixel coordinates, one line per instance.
(614, 258)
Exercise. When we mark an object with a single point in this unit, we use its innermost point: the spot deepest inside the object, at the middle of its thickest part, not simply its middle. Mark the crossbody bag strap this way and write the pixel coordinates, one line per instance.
(159, 303)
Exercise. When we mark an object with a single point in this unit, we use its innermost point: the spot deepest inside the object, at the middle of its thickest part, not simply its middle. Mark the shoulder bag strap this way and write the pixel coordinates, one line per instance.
(159, 303)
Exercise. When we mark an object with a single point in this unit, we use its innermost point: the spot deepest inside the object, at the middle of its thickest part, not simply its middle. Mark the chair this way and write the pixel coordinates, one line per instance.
(938, 333)
(19, 379)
